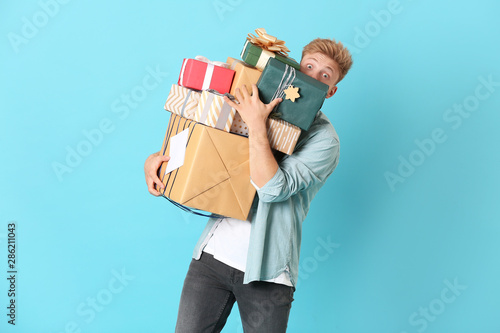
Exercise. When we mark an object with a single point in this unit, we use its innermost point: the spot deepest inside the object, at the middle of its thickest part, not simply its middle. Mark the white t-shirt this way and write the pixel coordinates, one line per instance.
(229, 244)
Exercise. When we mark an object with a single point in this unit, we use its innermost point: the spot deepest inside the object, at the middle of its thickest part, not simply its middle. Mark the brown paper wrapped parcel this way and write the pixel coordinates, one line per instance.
(215, 176)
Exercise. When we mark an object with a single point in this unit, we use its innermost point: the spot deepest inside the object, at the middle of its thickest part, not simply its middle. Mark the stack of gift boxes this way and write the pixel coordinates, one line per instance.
(211, 137)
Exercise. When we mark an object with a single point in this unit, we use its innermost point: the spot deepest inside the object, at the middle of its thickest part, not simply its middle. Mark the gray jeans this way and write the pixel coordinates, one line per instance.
(210, 290)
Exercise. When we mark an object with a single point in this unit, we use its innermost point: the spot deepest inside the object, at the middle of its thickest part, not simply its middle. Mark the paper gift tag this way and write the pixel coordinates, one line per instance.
(178, 145)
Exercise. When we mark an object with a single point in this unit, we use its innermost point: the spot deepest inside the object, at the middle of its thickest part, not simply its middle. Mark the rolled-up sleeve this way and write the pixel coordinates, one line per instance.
(314, 159)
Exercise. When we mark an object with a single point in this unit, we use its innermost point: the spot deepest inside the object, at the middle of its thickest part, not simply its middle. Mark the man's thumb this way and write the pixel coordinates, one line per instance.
(274, 102)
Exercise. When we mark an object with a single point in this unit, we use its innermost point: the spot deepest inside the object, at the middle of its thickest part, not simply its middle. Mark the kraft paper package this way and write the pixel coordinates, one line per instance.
(245, 75)
(215, 174)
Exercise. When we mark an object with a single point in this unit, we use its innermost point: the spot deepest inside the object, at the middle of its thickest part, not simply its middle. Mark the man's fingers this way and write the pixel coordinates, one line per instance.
(152, 190)
(154, 173)
(154, 180)
(151, 171)
(159, 160)
(230, 102)
(163, 158)
(238, 95)
(255, 90)
(158, 182)
(273, 103)
(245, 93)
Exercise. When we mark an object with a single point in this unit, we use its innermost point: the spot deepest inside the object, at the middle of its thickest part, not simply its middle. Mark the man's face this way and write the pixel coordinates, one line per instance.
(322, 68)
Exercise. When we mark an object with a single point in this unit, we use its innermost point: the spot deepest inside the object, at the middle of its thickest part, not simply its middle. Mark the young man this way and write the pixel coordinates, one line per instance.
(256, 262)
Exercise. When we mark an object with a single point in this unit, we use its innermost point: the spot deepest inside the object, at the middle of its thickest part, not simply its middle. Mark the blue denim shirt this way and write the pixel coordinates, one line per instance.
(282, 204)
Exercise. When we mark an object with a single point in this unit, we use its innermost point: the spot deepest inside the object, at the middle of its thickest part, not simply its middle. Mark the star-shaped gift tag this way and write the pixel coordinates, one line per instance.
(292, 93)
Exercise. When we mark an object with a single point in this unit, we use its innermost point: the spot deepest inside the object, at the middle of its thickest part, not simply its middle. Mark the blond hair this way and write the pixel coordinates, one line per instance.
(334, 50)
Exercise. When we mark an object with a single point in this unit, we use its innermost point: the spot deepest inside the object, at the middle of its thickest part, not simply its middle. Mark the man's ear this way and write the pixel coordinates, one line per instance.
(331, 92)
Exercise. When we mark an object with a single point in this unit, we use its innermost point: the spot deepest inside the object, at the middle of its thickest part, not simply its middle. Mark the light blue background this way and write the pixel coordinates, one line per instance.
(397, 249)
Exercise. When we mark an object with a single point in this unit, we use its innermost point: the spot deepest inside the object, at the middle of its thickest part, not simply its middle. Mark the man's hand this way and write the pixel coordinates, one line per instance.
(254, 113)
(151, 166)
(251, 109)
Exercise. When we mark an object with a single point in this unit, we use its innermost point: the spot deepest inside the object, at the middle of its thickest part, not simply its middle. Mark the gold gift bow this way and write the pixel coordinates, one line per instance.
(268, 42)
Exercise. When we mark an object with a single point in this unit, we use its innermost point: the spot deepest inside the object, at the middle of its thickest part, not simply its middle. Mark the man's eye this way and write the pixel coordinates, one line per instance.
(325, 76)
(309, 66)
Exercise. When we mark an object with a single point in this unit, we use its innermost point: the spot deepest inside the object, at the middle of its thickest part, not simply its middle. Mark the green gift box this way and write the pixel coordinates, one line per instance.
(258, 57)
(302, 95)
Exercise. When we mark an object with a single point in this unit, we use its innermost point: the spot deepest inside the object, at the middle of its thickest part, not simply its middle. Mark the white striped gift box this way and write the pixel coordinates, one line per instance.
(214, 112)
(182, 101)
(282, 135)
